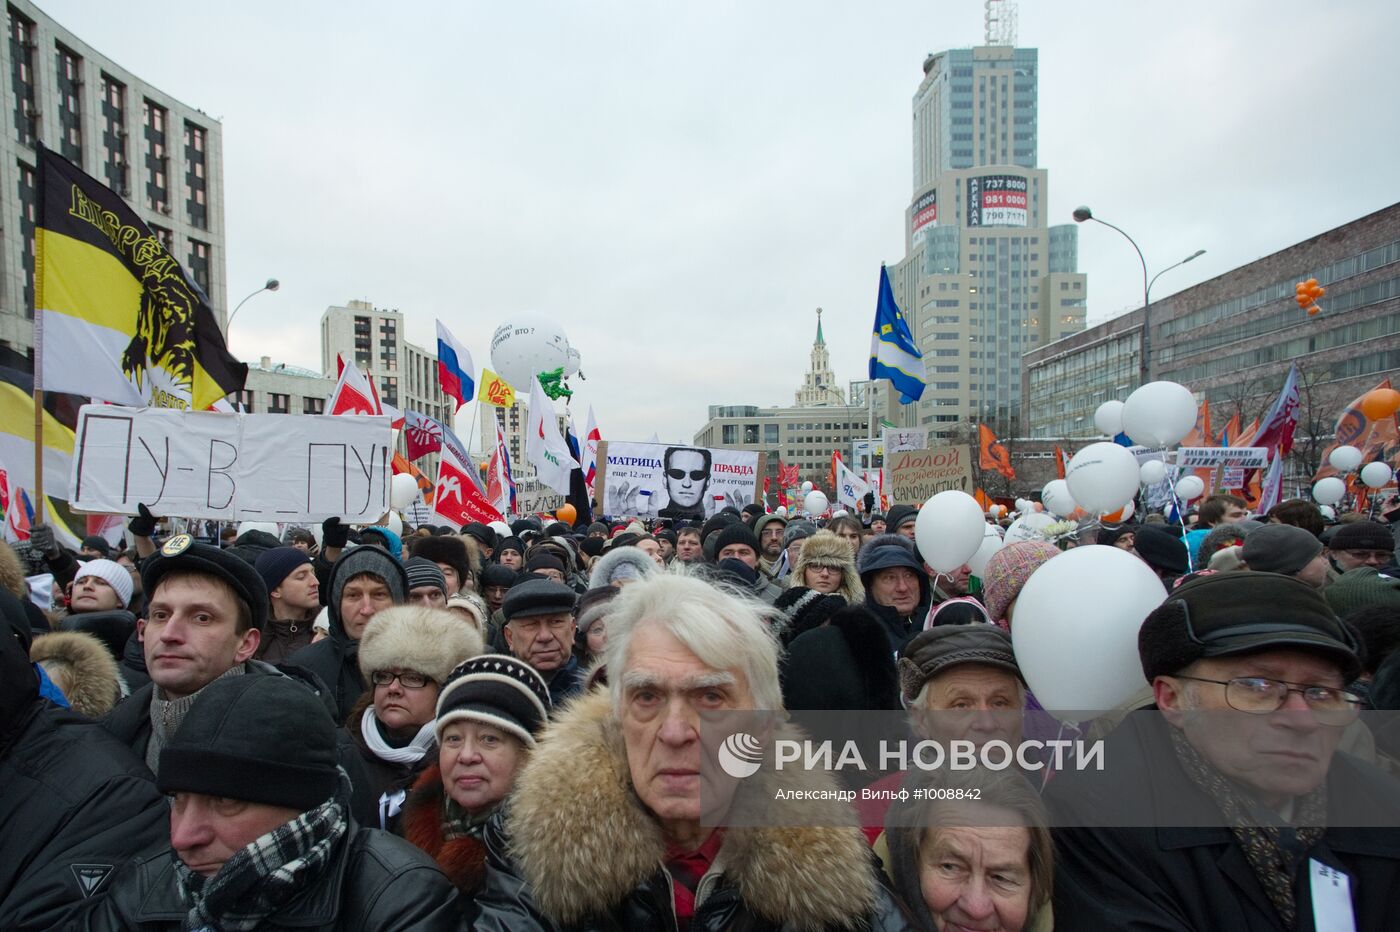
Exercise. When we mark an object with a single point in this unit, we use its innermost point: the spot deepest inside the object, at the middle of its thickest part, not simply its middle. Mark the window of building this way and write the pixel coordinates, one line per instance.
(165, 237)
(729, 434)
(243, 400)
(22, 75)
(28, 214)
(154, 118)
(114, 159)
(389, 390)
(278, 403)
(199, 264)
(196, 182)
(770, 435)
(70, 128)
(313, 406)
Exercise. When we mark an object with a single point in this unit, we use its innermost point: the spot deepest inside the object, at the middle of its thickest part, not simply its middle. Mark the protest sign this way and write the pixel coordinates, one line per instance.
(534, 497)
(650, 480)
(232, 467)
(915, 476)
(1207, 457)
(901, 441)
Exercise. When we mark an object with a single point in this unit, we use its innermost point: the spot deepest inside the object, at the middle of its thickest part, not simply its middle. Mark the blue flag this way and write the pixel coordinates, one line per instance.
(893, 354)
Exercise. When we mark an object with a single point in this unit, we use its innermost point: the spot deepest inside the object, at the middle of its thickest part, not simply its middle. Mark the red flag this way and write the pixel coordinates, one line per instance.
(422, 434)
(992, 455)
(789, 476)
(456, 498)
(1061, 463)
(354, 393)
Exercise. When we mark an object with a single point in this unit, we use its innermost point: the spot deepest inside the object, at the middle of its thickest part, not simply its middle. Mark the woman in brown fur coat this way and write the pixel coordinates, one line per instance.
(487, 717)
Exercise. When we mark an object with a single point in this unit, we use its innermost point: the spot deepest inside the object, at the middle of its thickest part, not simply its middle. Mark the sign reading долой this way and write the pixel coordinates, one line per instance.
(917, 475)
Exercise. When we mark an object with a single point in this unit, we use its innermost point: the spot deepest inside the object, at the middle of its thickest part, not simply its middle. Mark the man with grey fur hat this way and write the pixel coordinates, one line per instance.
(261, 835)
(363, 582)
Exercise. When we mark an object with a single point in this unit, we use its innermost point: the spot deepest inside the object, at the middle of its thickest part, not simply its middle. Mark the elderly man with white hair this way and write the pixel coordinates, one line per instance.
(605, 830)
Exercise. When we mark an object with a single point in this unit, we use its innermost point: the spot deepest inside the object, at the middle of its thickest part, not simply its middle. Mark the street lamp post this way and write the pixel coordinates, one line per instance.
(271, 285)
(1082, 214)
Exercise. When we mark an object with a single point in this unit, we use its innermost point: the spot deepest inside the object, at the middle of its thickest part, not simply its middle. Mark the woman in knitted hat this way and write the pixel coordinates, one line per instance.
(488, 716)
(1007, 572)
(405, 655)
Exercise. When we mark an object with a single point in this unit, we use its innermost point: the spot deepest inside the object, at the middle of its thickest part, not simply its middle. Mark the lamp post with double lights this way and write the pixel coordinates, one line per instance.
(1082, 214)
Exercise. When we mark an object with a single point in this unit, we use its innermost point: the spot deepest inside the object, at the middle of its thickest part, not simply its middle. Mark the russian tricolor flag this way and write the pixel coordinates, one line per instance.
(455, 367)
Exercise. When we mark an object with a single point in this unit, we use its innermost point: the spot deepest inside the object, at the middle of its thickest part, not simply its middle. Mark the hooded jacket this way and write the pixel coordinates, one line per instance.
(75, 804)
(888, 551)
(768, 567)
(335, 659)
(85, 666)
(596, 863)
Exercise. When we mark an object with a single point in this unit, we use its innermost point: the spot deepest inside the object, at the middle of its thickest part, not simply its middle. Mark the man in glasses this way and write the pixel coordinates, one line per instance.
(686, 473)
(1230, 807)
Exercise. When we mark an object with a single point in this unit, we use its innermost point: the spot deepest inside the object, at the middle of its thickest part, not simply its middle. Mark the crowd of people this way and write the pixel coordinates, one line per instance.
(498, 728)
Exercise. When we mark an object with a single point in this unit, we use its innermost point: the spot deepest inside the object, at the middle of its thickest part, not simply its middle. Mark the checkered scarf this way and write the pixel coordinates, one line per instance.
(259, 879)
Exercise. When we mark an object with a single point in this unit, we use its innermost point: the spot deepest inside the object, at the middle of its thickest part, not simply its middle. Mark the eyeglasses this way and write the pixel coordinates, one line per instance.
(1258, 695)
(823, 568)
(409, 679)
(695, 474)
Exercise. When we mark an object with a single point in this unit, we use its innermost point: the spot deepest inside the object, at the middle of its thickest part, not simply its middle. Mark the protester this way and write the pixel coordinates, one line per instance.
(363, 582)
(496, 580)
(510, 552)
(688, 546)
(1214, 511)
(837, 657)
(546, 564)
(42, 554)
(261, 835)
(1249, 672)
(405, 655)
(769, 528)
(667, 539)
(1006, 575)
(1287, 550)
(75, 802)
(737, 542)
(82, 667)
(896, 586)
(1298, 512)
(959, 864)
(626, 766)
(472, 608)
(901, 521)
(483, 538)
(793, 535)
(590, 620)
(827, 564)
(1362, 543)
(101, 586)
(488, 716)
(301, 539)
(1163, 552)
(848, 529)
(968, 676)
(427, 584)
(539, 630)
(458, 560)
(620, 566)
(878, 524)
(294, 601)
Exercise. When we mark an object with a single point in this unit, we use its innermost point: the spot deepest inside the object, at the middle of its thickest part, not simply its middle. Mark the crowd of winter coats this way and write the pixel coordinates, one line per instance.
(498, 727)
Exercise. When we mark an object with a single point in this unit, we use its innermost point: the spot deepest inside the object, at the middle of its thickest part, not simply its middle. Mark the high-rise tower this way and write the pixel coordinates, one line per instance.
(819, 384)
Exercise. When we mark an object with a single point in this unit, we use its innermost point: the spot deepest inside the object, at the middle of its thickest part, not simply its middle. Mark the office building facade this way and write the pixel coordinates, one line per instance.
(164, 157)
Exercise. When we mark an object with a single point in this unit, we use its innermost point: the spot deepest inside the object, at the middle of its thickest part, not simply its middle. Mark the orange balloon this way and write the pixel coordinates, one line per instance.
(1311, 283)
(567, 513)
(1319, 291)
(1313, 310)
(1381, 403)
(1301, 287)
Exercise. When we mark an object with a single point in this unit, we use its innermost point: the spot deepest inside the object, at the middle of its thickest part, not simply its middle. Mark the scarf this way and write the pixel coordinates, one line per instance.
(410, 753)
(459, 823)
(167, 714)
(1273, 849)
(261, 878)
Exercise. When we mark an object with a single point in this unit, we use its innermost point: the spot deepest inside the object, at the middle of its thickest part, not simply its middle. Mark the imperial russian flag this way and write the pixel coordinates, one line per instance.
(455, 367)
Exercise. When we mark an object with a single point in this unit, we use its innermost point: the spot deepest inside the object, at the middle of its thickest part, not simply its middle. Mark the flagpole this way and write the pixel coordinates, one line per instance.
(37, 289)
(38, 453)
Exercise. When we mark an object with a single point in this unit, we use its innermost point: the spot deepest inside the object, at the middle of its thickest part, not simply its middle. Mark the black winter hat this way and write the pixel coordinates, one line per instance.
(261, 738)
(483, 533)
(498, 690)
(737, 533)
(716, 523)
(593, 546)
(277, 564)
(99, 543)
(736, 572)
(494, 574)
(1362, 535)
(424, 572)
(807, 609)
(1160, 550)
(1241, 613)
(449, 550)
(900, 515)
(180, 554)
(543, 560)
(509, 543)
(538, 597)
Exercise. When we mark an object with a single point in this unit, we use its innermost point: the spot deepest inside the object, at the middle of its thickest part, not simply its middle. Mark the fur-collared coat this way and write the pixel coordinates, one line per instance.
(82, 668)
(576, 850)
(463, 860)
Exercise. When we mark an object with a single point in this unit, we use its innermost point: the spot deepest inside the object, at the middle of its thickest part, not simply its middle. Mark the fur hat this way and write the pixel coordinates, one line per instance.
(110, 572)
(1227, 559)
(82, 667)
(621, 563)
(411, 637)
(1218, 538)
(12, 573)
(450, 550)
(826, 549)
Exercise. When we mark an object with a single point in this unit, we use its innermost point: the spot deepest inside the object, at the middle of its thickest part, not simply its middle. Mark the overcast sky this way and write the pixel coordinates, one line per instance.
(681, 187)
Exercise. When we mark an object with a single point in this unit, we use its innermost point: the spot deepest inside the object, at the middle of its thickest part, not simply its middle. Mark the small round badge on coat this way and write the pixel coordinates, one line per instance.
(176, 545)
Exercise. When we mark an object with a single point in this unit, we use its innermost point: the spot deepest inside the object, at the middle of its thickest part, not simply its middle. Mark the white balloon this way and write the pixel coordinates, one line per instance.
(574, 363)
(1345, 458)
(1159, 414)
(1189, 487)
(394, 523)
(1056, 497)
(1152, 472)
(1024, 505)
(1329, 491)
(403, 490)
(949, 529)
(1028, 527)
(816, 502)
(1328, 512)
(1376, 474)
(991, 543)
(501, 528)
(1103, 476)
(1109, 418)
(782, 511)
(1075, 632)
(525, 346)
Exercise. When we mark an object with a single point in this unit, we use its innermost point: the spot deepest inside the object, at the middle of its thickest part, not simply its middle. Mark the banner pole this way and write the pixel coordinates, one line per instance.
(38, 455)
